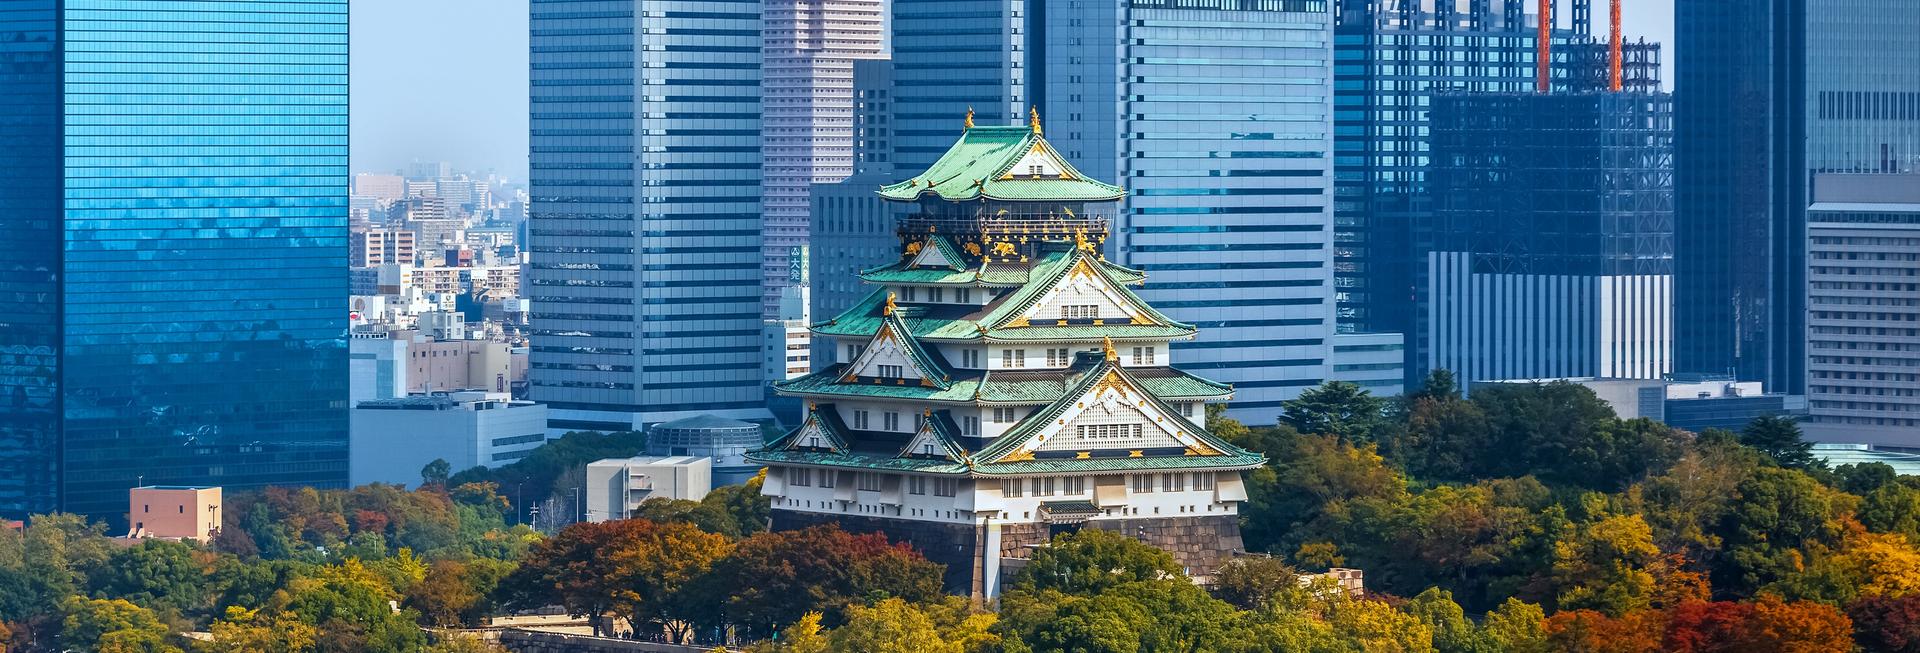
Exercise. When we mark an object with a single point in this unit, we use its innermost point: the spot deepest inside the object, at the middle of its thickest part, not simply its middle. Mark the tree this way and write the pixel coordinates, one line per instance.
(1338, 408)
(651, 565)
(1149, 615)
(1563, 434)
(463, 643)
(1887, 625)
(1093, 560)
(1767, 624)
(1863, 478)
(1452, 632)
(802, 636)
(890, 626)
(566, 570)
(772, 579)
(350, 605)
(444, 597)
(1589, 631)
(1777, 514)
(436, 472)
(1605, 565)
(156, 574)
(1251, 583)
(1892, 508)
(1438, 386)
(112, 626)
(1779, 437)
(247, 631)
(1517, 627)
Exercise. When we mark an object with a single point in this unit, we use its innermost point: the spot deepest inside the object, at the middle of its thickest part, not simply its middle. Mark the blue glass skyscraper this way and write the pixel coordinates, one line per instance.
(645, 232)
(173, 181)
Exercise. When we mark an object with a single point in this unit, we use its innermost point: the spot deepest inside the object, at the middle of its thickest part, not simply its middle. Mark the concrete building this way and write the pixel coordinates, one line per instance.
(387, 188)
(724, 441)
(1863, 303)
(382, 246)
(394, 438)
(1374, 361)
(378, 366)
(617, 486)
(174, 512)
(807, 121)
(645, 235)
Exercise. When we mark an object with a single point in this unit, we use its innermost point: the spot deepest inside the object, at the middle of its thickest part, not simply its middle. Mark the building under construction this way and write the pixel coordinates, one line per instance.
(1550, 249)
(1392, 58)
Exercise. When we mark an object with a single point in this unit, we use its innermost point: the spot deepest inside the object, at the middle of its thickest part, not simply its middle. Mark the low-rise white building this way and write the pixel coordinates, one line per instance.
(392, 439)
(617, 486)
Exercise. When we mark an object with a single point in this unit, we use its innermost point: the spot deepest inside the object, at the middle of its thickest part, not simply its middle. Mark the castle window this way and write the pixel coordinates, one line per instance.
(891, 372)
(910, 293)
(1016, 487)
(970, 358)
(1013, 358)
(891, 421)
(1058, 357)
(970, 425)
(860, 419)
(938, 294)
(801, 476)
(1203, 481)
(1004, 415)
(965, 295)
(1143, 483)
(868, 481)
(1079, 312)
(1186, 410)
(1143, 356)
(946, 487)
(1043, 487)
(1073, 485)
(1173, 482)
(916, 485)
(827, 479)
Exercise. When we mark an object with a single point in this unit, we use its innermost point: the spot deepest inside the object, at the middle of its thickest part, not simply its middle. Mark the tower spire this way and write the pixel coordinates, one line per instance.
(1033, 119)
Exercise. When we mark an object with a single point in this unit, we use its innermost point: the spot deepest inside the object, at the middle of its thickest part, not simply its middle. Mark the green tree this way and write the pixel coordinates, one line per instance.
(1452, 631)
(1517, 627)
(247, 631)
(1438, 386)
(1778, 515)
(156, 574)
(1252, 583)
(436, 472)
(1152, 615)
(1338, 408)
(350, 605)
(1092, 561)
(1606, 564)
(1893, 508)
(112, 626)
(890, 626)
(1779, 437)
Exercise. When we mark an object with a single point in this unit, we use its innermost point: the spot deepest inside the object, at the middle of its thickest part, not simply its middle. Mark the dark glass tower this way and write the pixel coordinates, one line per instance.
(1771, 92)
(173, 176)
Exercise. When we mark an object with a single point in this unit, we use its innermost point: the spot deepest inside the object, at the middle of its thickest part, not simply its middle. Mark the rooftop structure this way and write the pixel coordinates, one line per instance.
(725, 441)
(617, 486)
(1004, 382)
(393, 439)
(175, 512)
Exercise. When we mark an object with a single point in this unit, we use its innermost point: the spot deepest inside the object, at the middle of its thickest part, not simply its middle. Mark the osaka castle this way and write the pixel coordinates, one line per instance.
(1002, 383)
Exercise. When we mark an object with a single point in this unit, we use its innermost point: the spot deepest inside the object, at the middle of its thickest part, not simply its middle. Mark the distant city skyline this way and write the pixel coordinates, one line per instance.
(445, 80)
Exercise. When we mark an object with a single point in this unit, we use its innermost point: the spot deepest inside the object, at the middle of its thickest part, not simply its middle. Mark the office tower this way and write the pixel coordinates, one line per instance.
(1863, 301)
(175, 185)
(1228, 169)
(380, 187)
(1228, 172)
(850, 226)
(807, 136)
(1552, 240)
(1003, 384)
(1774, 92)
(644, 235)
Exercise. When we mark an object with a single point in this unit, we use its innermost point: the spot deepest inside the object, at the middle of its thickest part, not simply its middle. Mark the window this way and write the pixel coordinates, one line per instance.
(801, 476)
(1143, 483)
(853, 352)
(1043, 487)
(965, 295)
(891, 421)
(1107, 431)
(1079, 311)
(827, 478)
(1143, 356)
(946, 487)
(970, 425)
(1058, 357)
(1203, 481)
(916, 485)
(867, 481)
(892, 372)
(970, 358)
(937, 294)
(910, 293)
(1016, 487)
(1004, 416)
(1013, 358)
(1173, 482)
(1186, 410)
(860, 419)
(1035, 170)
(1073, 485)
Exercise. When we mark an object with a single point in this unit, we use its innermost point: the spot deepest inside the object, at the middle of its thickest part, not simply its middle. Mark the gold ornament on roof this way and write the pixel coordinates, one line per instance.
(1112, 355)
(1080, 240)
(973, 248)
(913, 248)
(890, 307)
(1033, 119)
(1003, 248)
(969, 117)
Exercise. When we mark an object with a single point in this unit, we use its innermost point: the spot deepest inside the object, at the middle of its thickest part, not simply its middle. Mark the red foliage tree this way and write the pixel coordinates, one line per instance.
(772, 579)
(1886, 625)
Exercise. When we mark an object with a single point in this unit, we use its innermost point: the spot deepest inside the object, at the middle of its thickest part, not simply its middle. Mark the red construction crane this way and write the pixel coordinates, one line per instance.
(1614, 60)
(1543, 62)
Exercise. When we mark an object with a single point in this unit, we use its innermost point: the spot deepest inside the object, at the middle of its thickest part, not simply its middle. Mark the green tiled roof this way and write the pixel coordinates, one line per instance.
(1014, 437)
(989, 274)
(965, 323)
(1240, 460)
(1035, 387)
(976, 168)
(828, 420)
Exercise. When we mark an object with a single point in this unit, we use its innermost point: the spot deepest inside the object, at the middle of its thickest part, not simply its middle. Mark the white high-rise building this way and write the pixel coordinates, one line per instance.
(807, 126)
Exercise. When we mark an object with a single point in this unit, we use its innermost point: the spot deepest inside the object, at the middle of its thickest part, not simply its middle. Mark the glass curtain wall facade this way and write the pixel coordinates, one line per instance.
(179, 173)
(950, 56)
(1773, 92)
(645, 227)
(1216, 116)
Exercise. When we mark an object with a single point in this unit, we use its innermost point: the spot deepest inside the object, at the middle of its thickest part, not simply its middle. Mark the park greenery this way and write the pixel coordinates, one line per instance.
(1526, 518)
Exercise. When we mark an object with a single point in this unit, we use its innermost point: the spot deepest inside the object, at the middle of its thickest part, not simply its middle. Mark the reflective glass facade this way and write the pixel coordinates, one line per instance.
(645, 230)
(188, 283)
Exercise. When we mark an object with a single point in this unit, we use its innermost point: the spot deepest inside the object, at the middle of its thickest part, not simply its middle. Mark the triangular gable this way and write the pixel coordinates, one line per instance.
(1039, 161)
(1082, 286)
(820, 432)
(894, 345)
(937, 252)
(1111, 413)
(934, 440)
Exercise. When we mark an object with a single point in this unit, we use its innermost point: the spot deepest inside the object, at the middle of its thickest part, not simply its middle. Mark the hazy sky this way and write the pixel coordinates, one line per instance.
(446, 80)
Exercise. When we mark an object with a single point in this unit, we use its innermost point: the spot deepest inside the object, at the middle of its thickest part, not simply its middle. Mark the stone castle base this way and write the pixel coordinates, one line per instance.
(1199, 543)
